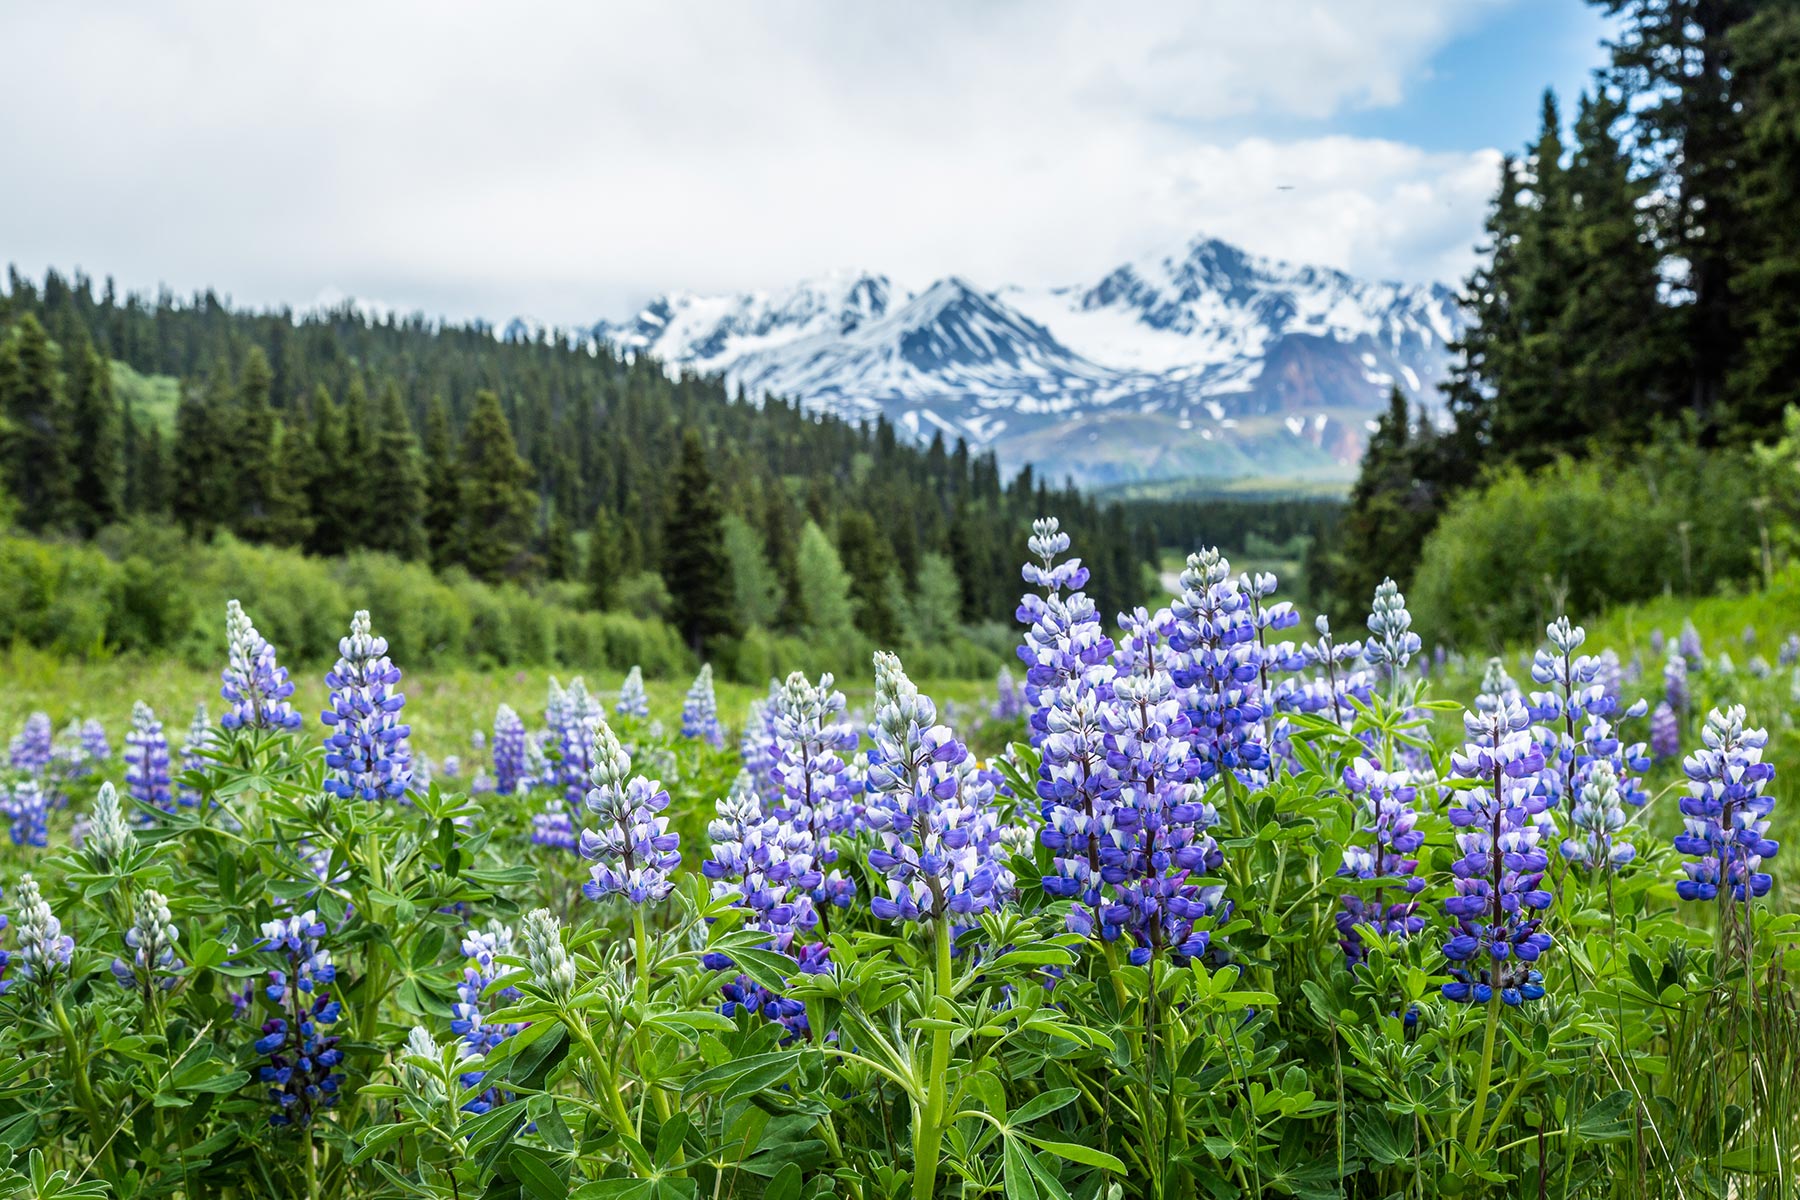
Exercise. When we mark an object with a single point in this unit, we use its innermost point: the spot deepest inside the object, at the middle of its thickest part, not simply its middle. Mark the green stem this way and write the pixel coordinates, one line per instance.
(610, 1085)
(641, 988)
(928, 1134)
(1485, 1076)
(84, 1089)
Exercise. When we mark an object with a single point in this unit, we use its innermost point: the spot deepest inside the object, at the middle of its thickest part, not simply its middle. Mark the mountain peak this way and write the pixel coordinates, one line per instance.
(1205, 361)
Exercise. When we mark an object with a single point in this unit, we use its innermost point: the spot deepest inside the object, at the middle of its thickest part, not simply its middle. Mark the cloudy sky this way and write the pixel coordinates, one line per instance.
(568, 161)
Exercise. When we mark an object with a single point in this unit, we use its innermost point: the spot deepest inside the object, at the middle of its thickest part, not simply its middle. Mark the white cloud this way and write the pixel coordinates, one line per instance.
(566, 160)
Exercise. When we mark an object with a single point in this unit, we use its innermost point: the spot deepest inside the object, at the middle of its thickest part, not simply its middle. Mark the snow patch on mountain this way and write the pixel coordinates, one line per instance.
(1206, 361)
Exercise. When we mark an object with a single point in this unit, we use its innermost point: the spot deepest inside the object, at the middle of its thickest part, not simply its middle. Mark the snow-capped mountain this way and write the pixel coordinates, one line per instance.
(1208, 362)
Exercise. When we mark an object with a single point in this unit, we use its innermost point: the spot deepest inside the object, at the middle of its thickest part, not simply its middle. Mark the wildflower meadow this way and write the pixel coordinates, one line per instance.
(1240, 905)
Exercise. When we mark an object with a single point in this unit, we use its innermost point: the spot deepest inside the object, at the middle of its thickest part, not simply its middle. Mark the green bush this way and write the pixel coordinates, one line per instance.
(1576, 537)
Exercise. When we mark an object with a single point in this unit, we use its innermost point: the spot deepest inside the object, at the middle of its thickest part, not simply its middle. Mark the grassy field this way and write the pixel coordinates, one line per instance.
(443, 706)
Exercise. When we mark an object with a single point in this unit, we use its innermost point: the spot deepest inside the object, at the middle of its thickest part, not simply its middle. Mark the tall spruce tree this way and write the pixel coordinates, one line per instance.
(870, 564)
(694, 565)
(96, 442)
(329, 479)
(442, 493)
(494, 518)
(603, 571)
(204, 462)
(396, 472)
(36, 430)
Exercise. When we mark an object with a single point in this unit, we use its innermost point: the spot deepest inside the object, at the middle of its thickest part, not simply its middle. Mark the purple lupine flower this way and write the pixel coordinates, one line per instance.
(634, 849)
(32, 748)
(1498, 899)
(555, 827)
(1384, 806)
(94, 744)
(1596, 822)
(1610, 675)
(366, 752)
(1392, 643)
(481, 950)
(700, 710)
(756, 744)
(762, 865)
(201, 738)
(1789, 654)
(252, 683)
(44, 949)
(1215, 631)
(302, 1059)
(1065, 641)
(27, 808)
(1576, 733)
(78, 749)
(1657, 641)
(147, 760)
(1009, 699)
(930, 809)
(745, 995)
(151, 940)
(1726, 812)
(811, 773)
(1689, 647)
(1078, 790)
(1339, 687)
(633, 700)
(574, 714)
(1159, 839)
(1675, 683)
(509, 750)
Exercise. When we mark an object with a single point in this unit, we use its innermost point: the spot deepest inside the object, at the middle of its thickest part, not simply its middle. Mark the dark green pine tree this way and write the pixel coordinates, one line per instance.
(255, 516)
(442, 493)
(204, 457)
(397, 476)
(1767, 279)
(1612, 326)
(694, 564)
(778, 536)
(494, 524)
(1675, 65)
(869, 562)
(96, 442)
(603, 571)
(360, 507)
(1394, 504)
(559, 549)
(329, 479)
(35, 432)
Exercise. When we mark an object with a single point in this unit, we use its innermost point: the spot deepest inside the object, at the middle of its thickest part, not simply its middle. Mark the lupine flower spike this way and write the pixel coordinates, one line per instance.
(1726, 812)
(151, 940)
(44, 949)
(700, 710)
(301, 1071)
(633, 848)
(147, 759)
(366, 753)
(257, 689)
(633, 700)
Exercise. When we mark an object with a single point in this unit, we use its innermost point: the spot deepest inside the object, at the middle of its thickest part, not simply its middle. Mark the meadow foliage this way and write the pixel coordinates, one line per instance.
(1246, 907)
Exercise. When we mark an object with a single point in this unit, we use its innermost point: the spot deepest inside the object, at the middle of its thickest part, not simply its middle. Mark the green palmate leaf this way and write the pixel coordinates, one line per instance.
(1076, 1152)
(537, 1174)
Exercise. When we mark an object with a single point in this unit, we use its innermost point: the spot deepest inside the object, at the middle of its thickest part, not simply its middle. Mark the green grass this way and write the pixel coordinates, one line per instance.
(444, 706)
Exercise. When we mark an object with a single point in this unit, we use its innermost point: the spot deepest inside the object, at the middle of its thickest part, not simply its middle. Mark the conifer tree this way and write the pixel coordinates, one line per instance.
(559, 548)
(206, 499)
(97, 441)
(695, 568)
(603, 569)
(397, 476)
(494, 518)
(255, 451)
(331, 507)
(778, 536)
(152, 460)
(36, 432)
(442, 494)
(870, 565)
(358, 507)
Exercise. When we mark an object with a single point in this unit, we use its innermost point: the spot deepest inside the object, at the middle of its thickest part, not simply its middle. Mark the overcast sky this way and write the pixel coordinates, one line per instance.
(568, 161)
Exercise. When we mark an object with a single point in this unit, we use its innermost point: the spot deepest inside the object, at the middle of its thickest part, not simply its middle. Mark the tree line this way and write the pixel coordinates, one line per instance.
(526, 458)
(1639, 279)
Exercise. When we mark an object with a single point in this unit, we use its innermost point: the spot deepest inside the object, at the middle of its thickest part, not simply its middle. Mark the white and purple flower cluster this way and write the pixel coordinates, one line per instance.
(633, 849)
(147, 759)
(1726, 811)
(700, 710)
(253, 684)
(366, 750)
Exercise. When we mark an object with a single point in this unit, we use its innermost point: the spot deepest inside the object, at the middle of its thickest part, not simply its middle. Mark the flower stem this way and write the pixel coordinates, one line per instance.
(928, 1135)
(1485, 1076)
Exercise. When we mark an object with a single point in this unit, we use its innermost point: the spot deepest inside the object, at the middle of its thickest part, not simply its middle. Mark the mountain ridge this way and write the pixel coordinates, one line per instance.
(1209, 362)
